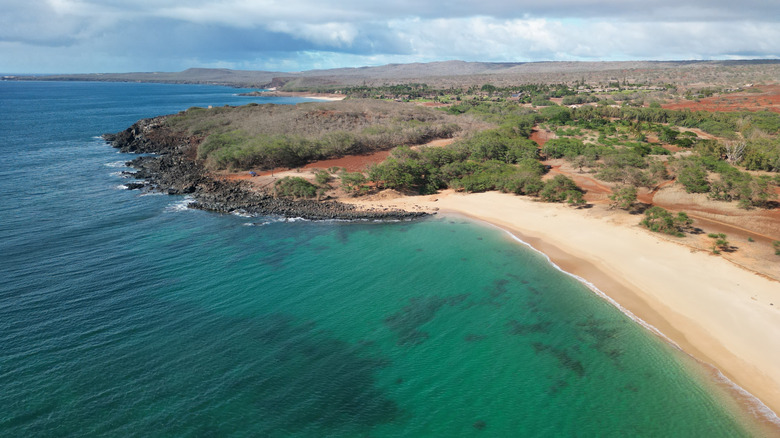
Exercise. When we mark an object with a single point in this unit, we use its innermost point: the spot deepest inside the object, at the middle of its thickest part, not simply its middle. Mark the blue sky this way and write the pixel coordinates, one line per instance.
(81, 36)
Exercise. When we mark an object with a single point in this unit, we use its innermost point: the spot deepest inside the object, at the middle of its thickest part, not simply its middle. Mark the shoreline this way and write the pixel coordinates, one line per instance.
(703, 312)
(330, 97)
(765, 414)
(715, 311)
(172, 170)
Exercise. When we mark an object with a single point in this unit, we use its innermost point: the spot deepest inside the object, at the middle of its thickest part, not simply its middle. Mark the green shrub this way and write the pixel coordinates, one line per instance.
(295, 187)
(521, 183)
(720, 243)
(490, 175)
(353, 183)
(667, 134)
(558, 189)
(624, 197)
(579, 99)
(658, 150)
(693, 176)
(659, 220)
(658, 170)
(611, 174)
(762, 154)
(498, 144)
(766, 121)
(405, 174)
(541, 101)
(558, 115)
(749, 190)
(575, 198)
(322, 177)
(559, 147)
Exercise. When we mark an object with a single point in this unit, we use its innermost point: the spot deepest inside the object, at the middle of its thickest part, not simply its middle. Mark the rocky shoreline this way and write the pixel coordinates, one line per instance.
(173, 169)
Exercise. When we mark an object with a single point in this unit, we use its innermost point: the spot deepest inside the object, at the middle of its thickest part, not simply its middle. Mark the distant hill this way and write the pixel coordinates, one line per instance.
(460, 73)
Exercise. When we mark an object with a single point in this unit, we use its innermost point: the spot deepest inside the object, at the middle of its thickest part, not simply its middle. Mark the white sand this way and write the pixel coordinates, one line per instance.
(717, 312)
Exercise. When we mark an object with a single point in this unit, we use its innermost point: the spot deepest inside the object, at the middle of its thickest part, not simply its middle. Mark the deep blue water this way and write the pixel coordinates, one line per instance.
(125, 314)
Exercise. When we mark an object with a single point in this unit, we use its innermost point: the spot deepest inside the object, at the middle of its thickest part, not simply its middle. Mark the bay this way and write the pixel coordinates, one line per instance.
(126, 314)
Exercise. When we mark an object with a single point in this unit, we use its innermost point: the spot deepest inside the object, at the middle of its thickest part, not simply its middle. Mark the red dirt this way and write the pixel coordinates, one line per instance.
(541, 137)
(767, 99)
(236, 176)
(647, 198)
(353, 163)
(594, 190)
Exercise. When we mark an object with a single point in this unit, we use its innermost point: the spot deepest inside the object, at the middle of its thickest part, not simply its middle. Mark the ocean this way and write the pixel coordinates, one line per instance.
(126, 314)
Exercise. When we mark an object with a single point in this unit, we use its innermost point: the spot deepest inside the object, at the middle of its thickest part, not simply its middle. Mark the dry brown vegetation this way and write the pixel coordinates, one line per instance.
(308, 119)
(268, 136)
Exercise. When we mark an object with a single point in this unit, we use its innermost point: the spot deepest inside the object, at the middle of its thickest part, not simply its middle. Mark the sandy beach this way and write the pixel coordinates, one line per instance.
(719, 313)
(331, 97)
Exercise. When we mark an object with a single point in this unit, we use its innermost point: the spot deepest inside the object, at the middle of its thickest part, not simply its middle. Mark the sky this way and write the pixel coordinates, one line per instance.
(102, 36)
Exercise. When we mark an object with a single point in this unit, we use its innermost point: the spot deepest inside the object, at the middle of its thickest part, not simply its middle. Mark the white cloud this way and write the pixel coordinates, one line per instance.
(302, 34)
(330, 34)
(492, 39)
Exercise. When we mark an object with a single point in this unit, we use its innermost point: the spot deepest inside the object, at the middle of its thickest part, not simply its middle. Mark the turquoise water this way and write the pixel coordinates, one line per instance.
(124, 314)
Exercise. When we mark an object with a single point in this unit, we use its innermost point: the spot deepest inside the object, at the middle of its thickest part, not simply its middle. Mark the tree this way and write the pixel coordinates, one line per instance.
(575, 198)
(559, 189)
(353, 183)
(556, 114)
(719, 242)
(693, 176)
(682, 221)
(658, 170)
(295, 187)
(735, 151)
(623, 197)
(489, 88)
(559, 147)
(322, 177)
(661, 221)
(581, 161)
(667, 135)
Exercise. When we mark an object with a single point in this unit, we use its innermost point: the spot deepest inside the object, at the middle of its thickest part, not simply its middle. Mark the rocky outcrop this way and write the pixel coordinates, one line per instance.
(173, 169)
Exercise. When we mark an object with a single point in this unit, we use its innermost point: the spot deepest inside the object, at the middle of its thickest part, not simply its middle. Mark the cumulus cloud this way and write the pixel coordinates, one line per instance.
(302, 34)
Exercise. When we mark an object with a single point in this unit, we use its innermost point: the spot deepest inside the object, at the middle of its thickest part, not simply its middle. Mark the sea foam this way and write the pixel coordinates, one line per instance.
(182, 205)
(116, 164)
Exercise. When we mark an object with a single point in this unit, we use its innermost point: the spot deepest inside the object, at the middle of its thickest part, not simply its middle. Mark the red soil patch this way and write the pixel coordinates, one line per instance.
(647, 198)
(767, 99)
(594, 190)
(541, 137)
(236, 176)
(353, 163)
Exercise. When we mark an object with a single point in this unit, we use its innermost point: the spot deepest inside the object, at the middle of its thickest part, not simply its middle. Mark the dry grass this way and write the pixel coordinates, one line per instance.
(314, 118)
(268, 136)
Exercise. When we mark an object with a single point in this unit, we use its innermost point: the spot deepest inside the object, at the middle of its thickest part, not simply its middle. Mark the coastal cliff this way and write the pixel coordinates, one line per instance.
(173, 169)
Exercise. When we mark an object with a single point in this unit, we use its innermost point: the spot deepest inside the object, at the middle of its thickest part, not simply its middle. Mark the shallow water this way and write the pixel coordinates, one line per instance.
(124, 314)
